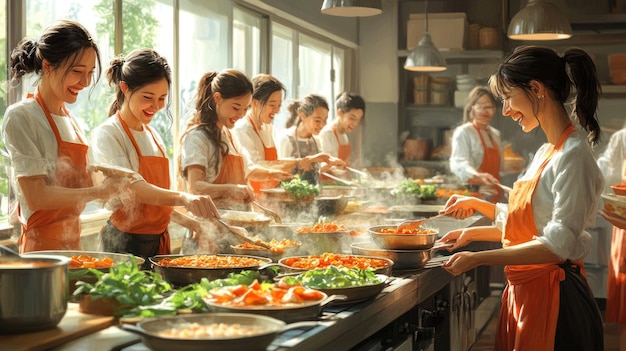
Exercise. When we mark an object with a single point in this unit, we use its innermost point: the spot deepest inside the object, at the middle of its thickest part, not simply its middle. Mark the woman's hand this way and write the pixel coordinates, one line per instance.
(460, 263)
(459, 206)
(459, 238)
(281, 175)
(484, 178)
(200, 205)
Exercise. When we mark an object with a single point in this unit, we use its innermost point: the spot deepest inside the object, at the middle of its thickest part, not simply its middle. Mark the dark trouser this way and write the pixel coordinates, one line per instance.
(579, 326)
(142, 245)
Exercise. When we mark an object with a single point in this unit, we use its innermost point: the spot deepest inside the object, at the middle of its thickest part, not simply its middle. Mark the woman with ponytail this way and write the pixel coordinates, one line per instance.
(547, 303)
(139, 223)
(48, 151)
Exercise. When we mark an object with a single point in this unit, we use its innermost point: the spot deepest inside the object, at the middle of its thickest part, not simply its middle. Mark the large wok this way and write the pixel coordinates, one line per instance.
(402, 259)
(182, 276)
(307, 310)
(150, 332)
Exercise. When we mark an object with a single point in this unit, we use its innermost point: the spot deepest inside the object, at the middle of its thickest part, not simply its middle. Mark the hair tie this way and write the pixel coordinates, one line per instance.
(32, 50)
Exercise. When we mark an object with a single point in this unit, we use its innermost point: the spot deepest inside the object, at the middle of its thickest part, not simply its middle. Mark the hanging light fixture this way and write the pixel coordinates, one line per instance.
(352, 8)
(539, 20)
(425, 57)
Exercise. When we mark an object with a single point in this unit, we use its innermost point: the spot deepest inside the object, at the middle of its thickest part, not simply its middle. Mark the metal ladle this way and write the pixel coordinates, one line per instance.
(7, 254)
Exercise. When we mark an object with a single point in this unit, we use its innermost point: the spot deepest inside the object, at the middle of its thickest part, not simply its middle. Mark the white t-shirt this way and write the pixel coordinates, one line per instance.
(198, 150)
(31, 143)
(467, 151)
(287, 146)
(250, 141)
(111, 144)
(566, 199)
(328, 141)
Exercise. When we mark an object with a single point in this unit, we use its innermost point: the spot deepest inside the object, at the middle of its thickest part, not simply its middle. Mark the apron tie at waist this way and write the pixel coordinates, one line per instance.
(523, 274)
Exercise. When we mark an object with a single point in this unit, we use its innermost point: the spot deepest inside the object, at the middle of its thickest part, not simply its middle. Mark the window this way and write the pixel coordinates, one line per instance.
(247, 42)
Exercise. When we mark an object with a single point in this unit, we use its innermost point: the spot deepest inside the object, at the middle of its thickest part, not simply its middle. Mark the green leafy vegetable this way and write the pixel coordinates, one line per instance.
(300, 189)
(333, 277)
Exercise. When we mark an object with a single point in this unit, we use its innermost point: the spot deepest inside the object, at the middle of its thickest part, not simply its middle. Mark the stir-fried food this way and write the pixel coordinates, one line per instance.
(322, 227)
(210, 261)
(212, 331)
(265, 295)
(418, 230)
(86, 261)
(276, 246)
(332, 259)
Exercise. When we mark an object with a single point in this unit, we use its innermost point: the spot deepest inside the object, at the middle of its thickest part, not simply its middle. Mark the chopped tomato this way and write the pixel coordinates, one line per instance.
(309, 294)
(254, 297)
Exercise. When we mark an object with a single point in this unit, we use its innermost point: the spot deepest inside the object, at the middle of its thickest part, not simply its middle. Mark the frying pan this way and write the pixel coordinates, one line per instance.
(308, 310)
(182, 276)
(352, 293)
(150, 332)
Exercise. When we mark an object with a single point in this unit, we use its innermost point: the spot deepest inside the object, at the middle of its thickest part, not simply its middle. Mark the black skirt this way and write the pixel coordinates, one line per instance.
(579, 326)
(142, 245)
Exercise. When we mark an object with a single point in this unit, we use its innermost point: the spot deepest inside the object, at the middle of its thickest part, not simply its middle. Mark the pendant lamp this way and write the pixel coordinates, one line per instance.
(352, 8)
(425, 57)
(539, 20)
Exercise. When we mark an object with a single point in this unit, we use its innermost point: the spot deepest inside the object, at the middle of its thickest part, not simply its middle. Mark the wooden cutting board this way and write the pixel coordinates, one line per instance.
(74, 325)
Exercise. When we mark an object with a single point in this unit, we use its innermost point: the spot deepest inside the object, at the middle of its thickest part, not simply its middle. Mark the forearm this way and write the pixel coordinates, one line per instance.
(150, 194)
(40, 196)
(185, 220)
(532, 252)
(486, 208)
(484, 233)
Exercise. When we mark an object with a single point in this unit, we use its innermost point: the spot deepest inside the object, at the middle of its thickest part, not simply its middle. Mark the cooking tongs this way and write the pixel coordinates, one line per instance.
(343, 181)
(242, 235)
(268, 212)
(414, 223)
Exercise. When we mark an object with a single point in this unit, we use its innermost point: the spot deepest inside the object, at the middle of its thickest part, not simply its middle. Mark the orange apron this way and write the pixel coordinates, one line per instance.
(270, 154)
(137, 218)
(616, 279)
(344, 150)
(59, 229)
(491, 162)
(530, 302)
(231, 170)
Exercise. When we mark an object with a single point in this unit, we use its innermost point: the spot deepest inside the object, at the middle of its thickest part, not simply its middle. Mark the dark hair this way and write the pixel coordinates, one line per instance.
(264, 86)
(558, 74)
(60, 43)
(138, 69)
(347, 101)
(230, 83)
(307, 106)
(474, 95)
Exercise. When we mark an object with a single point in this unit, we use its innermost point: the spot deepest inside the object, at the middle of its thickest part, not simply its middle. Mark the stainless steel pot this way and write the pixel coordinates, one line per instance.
(150, 331)
(34, 291)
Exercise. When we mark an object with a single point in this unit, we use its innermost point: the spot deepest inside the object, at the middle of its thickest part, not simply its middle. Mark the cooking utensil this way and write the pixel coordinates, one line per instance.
(268, 212)
(246, 219)
(274, 255)
(361, 173)
(416, 223)
(307, 310)
(503, 187)
(114, 171)
(241, 234)
(346, 182)
(182, 276)
(402, 241)
(7, 254)
(34, 292)
(150, 331)
(402, 259)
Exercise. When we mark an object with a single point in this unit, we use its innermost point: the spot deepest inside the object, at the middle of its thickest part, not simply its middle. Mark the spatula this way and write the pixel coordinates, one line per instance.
(414, 223)
(268, 212)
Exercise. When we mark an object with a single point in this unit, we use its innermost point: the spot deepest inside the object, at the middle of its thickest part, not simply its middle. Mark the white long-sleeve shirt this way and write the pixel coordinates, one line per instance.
(565, 200)
(611, 160)
(467, 152)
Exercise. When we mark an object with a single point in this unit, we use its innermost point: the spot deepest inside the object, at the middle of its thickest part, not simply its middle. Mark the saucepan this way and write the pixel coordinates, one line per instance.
(164, 333)
(34, 291)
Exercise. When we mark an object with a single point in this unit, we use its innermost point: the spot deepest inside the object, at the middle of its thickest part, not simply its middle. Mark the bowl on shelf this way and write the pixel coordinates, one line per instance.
(619, 189)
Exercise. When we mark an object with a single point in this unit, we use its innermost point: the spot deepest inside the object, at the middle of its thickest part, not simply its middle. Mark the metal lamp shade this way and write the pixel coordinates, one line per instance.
(352, 8)
(425, 57)
(539, 20)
